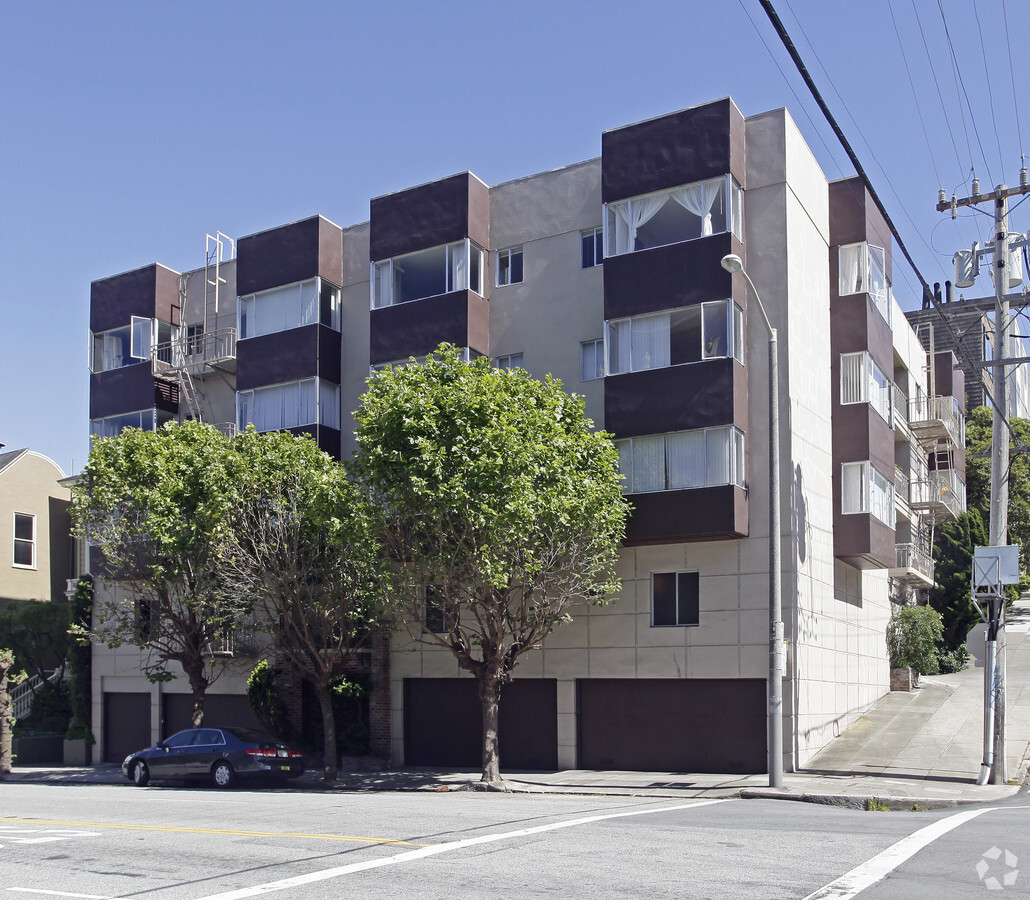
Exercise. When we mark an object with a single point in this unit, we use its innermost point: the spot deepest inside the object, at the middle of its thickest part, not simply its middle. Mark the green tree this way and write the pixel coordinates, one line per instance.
(499, 509)
(8, 678)
(953, 549)
(155, 503)
(301, 548)
(912, 638)
(36, 631)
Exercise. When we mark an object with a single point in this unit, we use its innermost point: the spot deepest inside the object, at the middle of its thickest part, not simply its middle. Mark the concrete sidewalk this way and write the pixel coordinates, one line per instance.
(920, 748)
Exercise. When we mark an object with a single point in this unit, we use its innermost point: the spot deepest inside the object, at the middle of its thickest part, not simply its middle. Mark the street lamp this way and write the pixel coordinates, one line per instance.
(733, 263)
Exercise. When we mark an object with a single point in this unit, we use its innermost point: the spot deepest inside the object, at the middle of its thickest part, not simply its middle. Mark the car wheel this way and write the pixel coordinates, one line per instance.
(140, 773)
(222, 774)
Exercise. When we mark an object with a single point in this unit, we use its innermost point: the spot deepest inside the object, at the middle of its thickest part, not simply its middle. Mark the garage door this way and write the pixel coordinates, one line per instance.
(126, 724)
(666, 725)
(219, 709)
(443, 723)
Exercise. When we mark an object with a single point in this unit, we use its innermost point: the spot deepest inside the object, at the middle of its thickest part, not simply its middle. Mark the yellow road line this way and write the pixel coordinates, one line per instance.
(227, 831)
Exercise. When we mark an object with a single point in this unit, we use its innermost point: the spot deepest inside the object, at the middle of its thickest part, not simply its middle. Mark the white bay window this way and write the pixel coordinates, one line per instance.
(865, 489)
(427, 273)
(670, 216)
(293, 404)
(863, 270)
(863, 381)
(290, 306)
(707, 457)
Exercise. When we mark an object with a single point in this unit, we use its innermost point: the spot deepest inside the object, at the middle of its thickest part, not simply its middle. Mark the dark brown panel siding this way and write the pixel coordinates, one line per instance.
(854, 217)
(330, 354)
(289, 253)
(150, 291)
(425, 216)
(864, 542)
(124, 390)
(419, 327)
(443, 723)
(277, 358)
(668, 277)
(677, 398)
(672, 725)
(675, 149)
(328, 439)
(701, 514)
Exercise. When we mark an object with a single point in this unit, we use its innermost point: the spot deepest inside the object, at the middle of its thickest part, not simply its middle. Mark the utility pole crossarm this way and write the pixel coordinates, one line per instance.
(945, 205)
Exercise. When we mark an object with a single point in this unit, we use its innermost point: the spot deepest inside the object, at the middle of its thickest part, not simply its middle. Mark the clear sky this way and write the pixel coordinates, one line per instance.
(129, 130)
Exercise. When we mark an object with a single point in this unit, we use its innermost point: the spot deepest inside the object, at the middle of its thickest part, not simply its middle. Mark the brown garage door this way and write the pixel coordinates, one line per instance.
(443, 723)
(667, 725)
(126, 724)
(219, 709)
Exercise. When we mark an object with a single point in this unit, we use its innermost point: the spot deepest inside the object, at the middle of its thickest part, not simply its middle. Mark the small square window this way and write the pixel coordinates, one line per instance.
(592, 247)
(25, 540)
(509, 266)
(675, 599)
(441, 617)
(591, 360)
(511, 361)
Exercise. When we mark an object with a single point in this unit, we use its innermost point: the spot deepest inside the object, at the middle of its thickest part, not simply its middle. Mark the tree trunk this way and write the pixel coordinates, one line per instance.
(490, 695)
(325, 702)
(6, 660)
(198, 684)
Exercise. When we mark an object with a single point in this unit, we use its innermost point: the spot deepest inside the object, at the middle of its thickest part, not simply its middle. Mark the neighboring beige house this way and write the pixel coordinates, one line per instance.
(35, 539)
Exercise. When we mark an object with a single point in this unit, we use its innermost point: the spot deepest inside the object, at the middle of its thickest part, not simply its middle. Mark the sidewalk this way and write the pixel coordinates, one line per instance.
(920, 748)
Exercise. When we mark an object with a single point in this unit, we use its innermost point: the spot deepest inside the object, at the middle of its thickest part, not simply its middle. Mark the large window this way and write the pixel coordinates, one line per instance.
(681, 460)
(426, 273)
(591, 247)
(711, 330)
(509, 266)
(144, 419)
(591, 360)
(24, 540)
(865, 489)
(290, 306)
(863, 381)
(310, 401)
(675, 599)
(668, 217)
(863, 270)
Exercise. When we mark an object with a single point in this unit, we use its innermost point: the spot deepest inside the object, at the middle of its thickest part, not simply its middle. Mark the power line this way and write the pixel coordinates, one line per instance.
(1012, 76)
(990, 89)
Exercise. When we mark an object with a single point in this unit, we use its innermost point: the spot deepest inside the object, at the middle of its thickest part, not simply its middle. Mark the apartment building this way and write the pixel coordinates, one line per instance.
(605, 273)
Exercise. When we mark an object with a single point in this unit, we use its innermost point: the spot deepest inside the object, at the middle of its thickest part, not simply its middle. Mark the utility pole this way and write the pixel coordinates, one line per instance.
(994, 667)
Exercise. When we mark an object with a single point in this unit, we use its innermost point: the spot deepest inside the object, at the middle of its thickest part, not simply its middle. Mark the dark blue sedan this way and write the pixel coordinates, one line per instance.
(223, 755)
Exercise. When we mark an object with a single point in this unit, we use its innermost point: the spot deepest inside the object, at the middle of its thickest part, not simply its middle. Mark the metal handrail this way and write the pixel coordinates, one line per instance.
(912, 556)
(210, 348)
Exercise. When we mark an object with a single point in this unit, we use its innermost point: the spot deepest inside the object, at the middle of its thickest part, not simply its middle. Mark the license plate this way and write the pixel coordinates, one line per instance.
(285, 768)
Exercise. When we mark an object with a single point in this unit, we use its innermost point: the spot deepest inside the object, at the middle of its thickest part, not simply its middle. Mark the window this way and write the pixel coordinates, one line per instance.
(467, 355)
(864, 489)
(24, 540)
(682, 460)
(591, 360)
(712, 330)
(291, 306)
(441, 616)
(668, 217)
(675, 599)
(509, 266)
(591, 247)
(511, 361)
(863, 270)
(863, 381)
(120, 347)
(426, 273)
(144, 419)
(310, 401)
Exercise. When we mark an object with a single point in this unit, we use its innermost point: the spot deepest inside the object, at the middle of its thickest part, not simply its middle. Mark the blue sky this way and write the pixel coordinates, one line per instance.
(130, 130)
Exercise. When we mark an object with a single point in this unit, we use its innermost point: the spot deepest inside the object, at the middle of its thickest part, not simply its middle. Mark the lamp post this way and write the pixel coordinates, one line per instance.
(733, 263)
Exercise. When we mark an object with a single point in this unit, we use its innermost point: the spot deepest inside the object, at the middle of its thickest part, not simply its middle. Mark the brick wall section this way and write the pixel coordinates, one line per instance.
(379, 730)
(290, 687)
(904, 679)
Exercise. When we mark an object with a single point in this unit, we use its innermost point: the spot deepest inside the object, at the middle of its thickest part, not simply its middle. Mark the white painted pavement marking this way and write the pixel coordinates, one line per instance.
(59, 893)
(881, 865)
(48, 834)
(423, 852)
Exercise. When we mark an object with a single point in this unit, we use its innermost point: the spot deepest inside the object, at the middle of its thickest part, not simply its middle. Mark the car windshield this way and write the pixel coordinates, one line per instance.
(253, 736)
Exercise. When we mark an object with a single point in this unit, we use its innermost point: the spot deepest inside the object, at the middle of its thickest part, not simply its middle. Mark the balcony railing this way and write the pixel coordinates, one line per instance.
(902, 485)
(940, 492)
(215, 349)
(932, 418)
(900, 406)
(913, 560)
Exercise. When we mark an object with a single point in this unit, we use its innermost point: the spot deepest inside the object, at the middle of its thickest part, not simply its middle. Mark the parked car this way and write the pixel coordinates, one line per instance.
(222, 755)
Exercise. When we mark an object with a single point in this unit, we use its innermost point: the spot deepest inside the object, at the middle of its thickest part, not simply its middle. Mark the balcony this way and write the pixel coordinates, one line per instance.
(913, 566)
(941, 493)
(197, 354)
(935, 418)
(900, 408)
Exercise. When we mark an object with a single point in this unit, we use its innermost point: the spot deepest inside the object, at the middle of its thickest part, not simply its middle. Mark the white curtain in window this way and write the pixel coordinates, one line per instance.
(686, 456)
(698, 199)
(852, 267)
(113, 351)
(717, 455)
(853, 487)
(625, 451)
(458, 279)
(648, 464)
(650, 342)
(631, 215)
(308, 303)
(853, 379)
(619, 346)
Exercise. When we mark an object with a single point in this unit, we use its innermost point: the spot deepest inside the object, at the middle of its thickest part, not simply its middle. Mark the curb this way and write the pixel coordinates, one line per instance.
(863, 801)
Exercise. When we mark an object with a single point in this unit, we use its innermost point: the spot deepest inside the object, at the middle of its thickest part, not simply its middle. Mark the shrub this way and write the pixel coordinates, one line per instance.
(913, 636)
(949, 661)
(264, 699)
